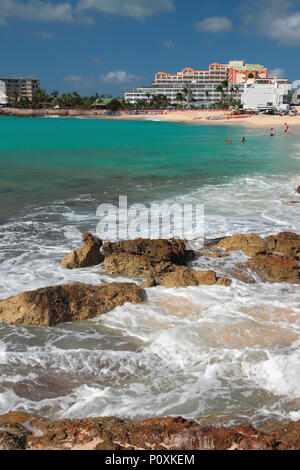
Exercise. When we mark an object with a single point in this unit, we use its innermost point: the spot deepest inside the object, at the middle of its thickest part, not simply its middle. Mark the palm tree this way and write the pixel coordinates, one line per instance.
(15, 99)
(179, 98)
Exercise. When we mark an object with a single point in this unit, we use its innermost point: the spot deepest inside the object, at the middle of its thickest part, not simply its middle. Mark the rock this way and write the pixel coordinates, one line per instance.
(251, 244)
(298, 190)
(285, 243)
(214, 252)
(173, 251)
(12, 441)
(145, 257)
(88, 255)
(224, 281)
(288, 436)
(124, 264)
(184, 277)
(272, 268)
(171, 433)
(50, 306)
(149, 283)
(240, 275)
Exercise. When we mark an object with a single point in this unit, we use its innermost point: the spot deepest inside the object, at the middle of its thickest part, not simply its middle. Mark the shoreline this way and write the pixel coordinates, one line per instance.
(207, 117)
(22, 431)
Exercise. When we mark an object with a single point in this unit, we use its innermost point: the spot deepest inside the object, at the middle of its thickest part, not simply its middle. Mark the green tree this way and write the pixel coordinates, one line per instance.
(114, 105)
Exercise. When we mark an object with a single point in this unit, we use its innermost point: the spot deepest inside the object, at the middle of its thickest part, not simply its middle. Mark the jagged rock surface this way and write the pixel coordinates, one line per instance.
(86, 256)
(19, 431)
(50, 306)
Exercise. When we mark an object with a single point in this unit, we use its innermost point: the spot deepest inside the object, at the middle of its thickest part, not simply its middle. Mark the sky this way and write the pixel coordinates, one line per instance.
(113, 46)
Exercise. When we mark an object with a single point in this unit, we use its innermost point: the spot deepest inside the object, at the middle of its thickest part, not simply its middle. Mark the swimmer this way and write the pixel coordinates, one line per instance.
(272, 132)
(243, 140)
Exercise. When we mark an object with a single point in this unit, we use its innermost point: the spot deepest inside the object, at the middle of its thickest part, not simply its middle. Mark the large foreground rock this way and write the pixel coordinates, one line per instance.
(86, 256)
(19, 431)
(145, 257)
(274, 268)
(50, 306)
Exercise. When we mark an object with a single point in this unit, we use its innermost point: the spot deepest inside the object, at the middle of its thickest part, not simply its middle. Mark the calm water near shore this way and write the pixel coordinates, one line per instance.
(223, 354)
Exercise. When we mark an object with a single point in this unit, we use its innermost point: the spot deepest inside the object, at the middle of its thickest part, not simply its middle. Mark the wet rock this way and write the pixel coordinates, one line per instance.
(250, 244)
(13, 434)
(224, 281)
(272, 268)
(288, 436)
(240, 275)
(172, 433)
(161, 250)
(214, 252)
(9, 441)
(183, 277)
(285, 243)
(50, 306)
(124, 264)
(151, 282)
(88, 255)
(298, 190)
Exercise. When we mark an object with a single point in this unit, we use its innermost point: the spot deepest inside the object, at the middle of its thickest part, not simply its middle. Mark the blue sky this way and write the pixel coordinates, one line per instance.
(111, 46)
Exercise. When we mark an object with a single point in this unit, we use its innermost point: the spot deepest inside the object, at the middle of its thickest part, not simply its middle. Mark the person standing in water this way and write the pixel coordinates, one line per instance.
(243, 140)
(272, 132)
(287, 130)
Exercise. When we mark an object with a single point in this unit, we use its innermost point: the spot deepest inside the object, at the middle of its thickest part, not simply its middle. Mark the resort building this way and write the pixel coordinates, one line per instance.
(23, 87)
(263, 94)
(3, 96)
(201, 86)
(239, 72)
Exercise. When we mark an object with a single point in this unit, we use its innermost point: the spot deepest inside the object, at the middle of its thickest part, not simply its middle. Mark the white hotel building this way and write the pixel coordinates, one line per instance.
(201, 84)
(262, 94)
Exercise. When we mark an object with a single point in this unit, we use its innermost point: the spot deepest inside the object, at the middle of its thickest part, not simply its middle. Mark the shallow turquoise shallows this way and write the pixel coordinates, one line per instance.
(49, 159)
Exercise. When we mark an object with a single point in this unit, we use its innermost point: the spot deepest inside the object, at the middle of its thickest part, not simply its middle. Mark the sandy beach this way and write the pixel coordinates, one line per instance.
(223, 117)
(214, 117)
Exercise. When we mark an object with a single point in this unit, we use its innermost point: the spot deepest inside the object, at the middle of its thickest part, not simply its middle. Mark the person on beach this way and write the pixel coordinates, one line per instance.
(287, 130)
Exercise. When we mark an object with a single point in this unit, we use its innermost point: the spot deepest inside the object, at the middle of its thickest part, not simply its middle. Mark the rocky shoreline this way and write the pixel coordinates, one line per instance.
(21, 431)
(274, 259)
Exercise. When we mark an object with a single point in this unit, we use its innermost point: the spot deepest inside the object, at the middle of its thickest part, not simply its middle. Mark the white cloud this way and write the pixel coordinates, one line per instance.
(214, 25)
(168, 44)
(137, 9)
(296, 85)
(277, 72)
(96, 60)
(275, 19)
(43, 11)
(118, 77)
(112, 79)
(44, 34)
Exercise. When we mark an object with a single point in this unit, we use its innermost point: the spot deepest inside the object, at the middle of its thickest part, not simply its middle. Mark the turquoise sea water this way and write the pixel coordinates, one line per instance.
(222, 355)
(42, 160)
